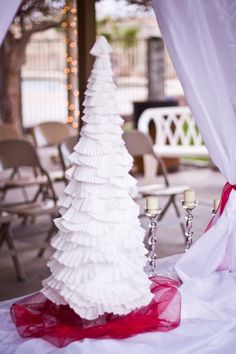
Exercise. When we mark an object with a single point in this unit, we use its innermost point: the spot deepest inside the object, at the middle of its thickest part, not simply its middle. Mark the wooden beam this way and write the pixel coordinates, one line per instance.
(87, 37)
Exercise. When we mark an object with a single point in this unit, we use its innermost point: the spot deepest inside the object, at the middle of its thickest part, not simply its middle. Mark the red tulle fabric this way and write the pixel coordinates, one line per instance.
(36, 316)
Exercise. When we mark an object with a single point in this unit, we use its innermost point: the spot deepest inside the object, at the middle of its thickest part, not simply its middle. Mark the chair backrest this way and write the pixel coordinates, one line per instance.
(9, 131)
(137, 143)
(140, 144)
(15, 153)
(50, 133)
(65, 149)
(174, 126)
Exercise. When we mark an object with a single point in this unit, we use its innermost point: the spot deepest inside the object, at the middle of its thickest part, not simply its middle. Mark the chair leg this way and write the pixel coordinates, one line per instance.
(166, 207)
(182, 226)
(24, 191)
(2, 235)
(8, 238)
(47, 239)
(3, 194)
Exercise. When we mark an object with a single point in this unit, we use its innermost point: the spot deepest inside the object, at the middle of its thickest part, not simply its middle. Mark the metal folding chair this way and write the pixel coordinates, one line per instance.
(21, 154)
(6, 237)
(49, 134)
(139, 144)
(65, 149)
(9, 131)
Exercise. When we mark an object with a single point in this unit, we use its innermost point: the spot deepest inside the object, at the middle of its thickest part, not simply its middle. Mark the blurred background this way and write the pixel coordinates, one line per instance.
(44, 66)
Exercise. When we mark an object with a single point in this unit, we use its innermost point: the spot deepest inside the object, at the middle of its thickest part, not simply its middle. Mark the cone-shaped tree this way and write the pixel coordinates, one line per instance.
(98, 263)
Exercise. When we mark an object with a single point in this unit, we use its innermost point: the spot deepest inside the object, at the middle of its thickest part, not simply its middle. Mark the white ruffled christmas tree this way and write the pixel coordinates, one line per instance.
(98, 263)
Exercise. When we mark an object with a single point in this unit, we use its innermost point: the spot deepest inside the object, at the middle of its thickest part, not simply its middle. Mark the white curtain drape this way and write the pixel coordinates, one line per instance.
(7, 12)
(201, 39)
(200, 36)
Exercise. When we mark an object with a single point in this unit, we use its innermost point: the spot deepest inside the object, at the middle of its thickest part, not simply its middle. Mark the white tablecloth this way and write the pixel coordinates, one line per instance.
(202, 331)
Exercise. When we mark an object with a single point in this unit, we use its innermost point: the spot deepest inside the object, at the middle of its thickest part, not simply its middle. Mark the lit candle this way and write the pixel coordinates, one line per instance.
(216, 203)
(189, 197)
(152, 203)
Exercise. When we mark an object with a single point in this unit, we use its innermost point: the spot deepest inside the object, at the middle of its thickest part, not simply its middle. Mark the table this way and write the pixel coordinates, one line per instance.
(201, 332)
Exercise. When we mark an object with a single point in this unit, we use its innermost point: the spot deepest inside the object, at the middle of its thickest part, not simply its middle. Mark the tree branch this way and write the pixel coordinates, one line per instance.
(43, 26)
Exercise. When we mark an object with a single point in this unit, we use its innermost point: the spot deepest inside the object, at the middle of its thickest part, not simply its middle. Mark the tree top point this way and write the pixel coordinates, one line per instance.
(101, 47)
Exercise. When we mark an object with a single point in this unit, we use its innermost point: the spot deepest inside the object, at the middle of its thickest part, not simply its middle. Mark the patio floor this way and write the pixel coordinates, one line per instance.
(208, 184)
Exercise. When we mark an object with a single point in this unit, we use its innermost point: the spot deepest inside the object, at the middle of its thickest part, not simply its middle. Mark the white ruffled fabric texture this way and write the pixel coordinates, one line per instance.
(99, 259)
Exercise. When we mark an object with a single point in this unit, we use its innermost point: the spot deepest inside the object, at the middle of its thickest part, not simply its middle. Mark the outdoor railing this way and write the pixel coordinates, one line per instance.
(176, 133)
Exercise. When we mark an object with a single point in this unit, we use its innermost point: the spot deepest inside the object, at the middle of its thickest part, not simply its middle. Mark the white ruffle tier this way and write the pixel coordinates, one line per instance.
(84, 190)
(115, 216)
(102, 110)
(119, 299)
(105, 138)
(101, 86)
(101, 71)
(92, 147)
(100, 130)
(86, 272)
(100, 78)
(102, 120)
(107, 161)
(95, 227)
(101, 100)
(102, 64)
(91, 175)
(128, 239)
(98, 205)
(79, 255)
(100, 95)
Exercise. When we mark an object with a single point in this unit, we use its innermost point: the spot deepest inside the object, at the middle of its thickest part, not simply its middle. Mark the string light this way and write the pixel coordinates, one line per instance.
(75, 125)
(69, 119)
(71, 70)
(71, 107)
(64, 24)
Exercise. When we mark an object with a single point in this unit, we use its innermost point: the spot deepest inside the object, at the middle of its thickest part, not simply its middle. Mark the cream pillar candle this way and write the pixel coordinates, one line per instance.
(216, 203)
(152, 203)
(189, 197)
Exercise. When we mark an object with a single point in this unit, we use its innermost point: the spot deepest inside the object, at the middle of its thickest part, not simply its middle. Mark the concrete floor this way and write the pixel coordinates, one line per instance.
(208, 184)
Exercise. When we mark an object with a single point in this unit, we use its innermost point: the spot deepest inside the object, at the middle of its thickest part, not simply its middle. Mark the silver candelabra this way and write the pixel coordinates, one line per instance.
(151, 266)
(189, 222)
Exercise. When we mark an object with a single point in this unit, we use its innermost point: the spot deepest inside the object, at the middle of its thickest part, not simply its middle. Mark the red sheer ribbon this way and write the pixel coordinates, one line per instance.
(223, 201)
(36, 316)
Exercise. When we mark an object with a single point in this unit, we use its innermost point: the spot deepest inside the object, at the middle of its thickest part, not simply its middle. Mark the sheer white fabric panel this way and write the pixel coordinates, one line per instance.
(7, 12)
(200, 37)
